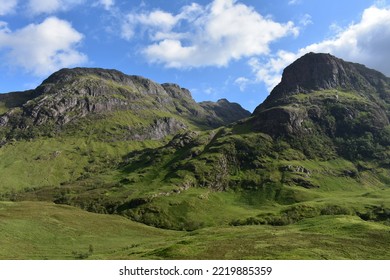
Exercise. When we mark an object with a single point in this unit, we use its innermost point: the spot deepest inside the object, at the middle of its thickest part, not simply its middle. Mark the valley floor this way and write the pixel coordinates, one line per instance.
(40, 230)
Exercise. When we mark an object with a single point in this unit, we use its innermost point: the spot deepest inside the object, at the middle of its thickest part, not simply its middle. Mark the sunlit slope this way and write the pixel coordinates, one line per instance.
(47, 231)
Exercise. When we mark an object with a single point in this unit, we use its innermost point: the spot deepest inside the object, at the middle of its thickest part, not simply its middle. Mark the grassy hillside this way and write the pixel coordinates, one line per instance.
(36, 230)
(205, 194)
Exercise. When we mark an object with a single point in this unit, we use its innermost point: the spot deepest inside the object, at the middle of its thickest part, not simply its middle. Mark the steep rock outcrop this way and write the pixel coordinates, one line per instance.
(224, 110)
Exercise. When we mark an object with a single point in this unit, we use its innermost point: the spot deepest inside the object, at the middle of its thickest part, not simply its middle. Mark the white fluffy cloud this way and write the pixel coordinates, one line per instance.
(267, 70)
(158, 22)
(211, 35)
(50, 6)
(7, 6)
(365, 42)
(42, 48)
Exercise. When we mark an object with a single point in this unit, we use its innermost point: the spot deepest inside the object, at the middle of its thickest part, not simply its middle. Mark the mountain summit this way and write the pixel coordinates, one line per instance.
(319, 71)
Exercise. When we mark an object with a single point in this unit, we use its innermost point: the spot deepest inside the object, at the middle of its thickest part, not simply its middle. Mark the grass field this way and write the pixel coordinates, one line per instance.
(38, 230)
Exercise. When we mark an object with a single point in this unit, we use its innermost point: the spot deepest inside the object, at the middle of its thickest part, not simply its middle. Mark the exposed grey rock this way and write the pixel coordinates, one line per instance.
(363, 110)
(280, 121)
(225, 111)
(72, 94)
(176, 91)
(181, 140)
(160, 128)
(293, 168)
(323, 71)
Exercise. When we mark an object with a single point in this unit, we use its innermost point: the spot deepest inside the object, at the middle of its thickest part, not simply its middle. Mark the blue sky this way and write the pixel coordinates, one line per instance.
(217, 49)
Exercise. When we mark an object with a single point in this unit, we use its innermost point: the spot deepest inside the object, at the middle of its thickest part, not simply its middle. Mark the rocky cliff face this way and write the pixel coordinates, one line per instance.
(72, 94)
(327, 107)
(320, 93)
(224, 110)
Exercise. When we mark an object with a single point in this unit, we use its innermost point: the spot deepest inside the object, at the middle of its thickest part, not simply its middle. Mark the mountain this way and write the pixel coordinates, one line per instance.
(72, 94)
(305, 176)
(80, 123)
(332, 102)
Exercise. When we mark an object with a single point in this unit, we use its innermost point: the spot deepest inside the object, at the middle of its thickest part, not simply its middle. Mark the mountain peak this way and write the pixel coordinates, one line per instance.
(321, 71)
(318, 71)
(67, 74)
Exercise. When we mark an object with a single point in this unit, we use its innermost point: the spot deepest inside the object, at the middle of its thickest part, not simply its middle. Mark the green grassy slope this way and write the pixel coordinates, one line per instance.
(36, 230)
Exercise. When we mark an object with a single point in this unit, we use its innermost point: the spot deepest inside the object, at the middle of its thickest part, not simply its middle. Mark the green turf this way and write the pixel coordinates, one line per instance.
(37, 230)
